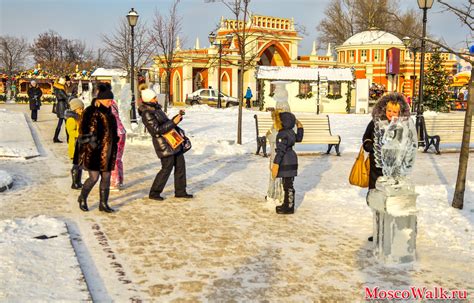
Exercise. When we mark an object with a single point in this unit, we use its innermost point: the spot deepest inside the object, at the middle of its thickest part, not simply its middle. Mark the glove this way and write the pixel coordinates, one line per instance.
(275, 168)
(298, 124)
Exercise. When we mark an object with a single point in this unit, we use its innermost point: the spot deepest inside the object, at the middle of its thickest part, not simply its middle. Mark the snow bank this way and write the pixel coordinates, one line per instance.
(38, 269)
(16, 139)
(5, 180)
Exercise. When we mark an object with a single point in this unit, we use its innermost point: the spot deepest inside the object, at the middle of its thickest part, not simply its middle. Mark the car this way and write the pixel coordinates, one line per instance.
(209, 96)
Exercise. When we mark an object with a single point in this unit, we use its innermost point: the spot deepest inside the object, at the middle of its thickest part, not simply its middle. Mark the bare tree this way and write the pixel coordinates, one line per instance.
(246, 36)
(118, 45)
(60, 55)
(13, 54)
(165, 32)
(344, 18)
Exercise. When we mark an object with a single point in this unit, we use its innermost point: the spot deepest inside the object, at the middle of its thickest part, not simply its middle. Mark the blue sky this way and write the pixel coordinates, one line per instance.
(88, 19)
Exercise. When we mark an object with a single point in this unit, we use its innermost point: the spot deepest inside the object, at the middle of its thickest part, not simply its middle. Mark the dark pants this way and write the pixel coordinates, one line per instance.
(248, 102)
(34, 114)
(167, 164)
(287, 183)
(58, 128)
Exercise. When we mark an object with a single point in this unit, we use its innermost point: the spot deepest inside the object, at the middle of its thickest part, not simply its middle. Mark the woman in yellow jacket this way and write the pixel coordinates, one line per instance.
(73, 122)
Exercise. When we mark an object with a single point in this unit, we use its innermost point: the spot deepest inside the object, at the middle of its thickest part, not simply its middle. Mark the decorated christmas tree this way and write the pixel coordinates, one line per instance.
(436, 85)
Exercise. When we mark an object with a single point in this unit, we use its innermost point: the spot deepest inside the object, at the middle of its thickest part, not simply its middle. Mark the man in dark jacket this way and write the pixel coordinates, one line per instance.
(34, 96)
(61, 105)
(158, 124)
(285, 164)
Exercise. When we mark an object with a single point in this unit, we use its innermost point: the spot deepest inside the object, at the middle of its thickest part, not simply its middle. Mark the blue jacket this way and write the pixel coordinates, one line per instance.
(248, 94)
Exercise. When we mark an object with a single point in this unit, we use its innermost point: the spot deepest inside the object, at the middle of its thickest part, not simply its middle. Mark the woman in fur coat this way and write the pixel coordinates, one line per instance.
(98, 149)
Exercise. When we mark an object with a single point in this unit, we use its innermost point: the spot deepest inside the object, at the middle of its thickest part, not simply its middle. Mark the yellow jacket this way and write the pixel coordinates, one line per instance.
(72, 128)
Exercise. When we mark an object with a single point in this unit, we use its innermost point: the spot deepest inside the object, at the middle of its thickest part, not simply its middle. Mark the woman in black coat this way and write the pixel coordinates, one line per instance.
(158, 124)
(61, 106)
(34, 96)
(285, 164)
(98, 147)
(388, 106)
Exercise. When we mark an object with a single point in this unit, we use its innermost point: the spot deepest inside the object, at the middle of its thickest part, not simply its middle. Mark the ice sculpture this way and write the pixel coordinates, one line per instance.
(123, 97)
(393, 201)
(395, 146)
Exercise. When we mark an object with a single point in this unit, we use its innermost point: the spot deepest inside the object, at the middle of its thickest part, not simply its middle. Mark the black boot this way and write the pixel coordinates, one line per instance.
(82, 202)
(76, 174)
(103, 205)
(288, 206)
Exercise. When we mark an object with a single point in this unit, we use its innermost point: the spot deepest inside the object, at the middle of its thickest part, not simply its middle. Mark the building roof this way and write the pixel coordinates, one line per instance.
(108, 72)
(373, 37)
(303, 73)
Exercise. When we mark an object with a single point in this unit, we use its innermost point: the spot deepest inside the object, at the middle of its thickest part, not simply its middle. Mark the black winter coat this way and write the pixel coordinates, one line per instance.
(157, 124)
(285, 156)
(99, 155)
(34, 95)
(368, 143)
(61, 100)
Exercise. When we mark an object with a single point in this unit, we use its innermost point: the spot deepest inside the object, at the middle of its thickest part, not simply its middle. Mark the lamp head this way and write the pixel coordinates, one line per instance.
(425, 4)
(212, 37)
(132, 17)
(406, 41)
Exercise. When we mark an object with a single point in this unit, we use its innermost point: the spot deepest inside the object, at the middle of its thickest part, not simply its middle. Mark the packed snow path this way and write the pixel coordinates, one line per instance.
(227, 243)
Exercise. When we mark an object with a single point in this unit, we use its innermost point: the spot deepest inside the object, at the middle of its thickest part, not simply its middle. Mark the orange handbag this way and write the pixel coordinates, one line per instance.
(360, 170)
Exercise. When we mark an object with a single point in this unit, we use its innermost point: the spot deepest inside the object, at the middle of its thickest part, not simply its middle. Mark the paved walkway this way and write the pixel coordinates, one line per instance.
(228, 247)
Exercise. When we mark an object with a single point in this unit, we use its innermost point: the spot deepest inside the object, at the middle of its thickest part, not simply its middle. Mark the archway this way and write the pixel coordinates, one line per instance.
(198, 82)
(274, 54)
(225, 84)
(176, 88)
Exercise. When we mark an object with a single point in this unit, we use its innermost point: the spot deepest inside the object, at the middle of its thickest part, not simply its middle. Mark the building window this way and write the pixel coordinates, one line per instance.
(272, 90)
(377, 55)
(351, 56)
(334, 90)
(363, 55)
(305, 88)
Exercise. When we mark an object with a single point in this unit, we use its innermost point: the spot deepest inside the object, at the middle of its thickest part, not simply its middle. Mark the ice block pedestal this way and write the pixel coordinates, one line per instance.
(393, 202)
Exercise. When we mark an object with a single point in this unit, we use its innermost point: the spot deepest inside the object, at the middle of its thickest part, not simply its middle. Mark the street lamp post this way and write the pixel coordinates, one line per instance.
(132, 18)
(212, 40)
(414, 49)
(425, 5)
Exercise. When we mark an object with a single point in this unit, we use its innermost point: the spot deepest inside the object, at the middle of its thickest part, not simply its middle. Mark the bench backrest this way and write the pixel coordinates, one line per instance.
(448, 127)
(317, 124)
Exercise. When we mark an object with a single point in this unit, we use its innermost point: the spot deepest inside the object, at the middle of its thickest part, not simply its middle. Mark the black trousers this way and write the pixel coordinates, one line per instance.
(287, 183)
(248, 105)
(34, 114)
(167, 164)
(58, 128)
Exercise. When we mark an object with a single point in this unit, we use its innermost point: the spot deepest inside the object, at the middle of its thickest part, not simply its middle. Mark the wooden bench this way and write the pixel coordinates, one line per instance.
(447, 128)
(317, 130)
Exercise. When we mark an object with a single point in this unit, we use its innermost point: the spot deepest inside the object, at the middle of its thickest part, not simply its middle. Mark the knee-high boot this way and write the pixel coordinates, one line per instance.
(104, 198)
(76, 174)
(82, 200)
(288, 206)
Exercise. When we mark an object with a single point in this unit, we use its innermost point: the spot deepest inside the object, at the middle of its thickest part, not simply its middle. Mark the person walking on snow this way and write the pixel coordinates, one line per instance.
(285, 164)
(73, 122)
(60, 106)
(158, 124)
(34, 96)
(98, 147)
(117, 173)
(248, 97)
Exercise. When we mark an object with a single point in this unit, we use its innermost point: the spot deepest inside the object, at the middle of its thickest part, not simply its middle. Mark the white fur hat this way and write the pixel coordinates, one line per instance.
(62, 81)
(148, 94)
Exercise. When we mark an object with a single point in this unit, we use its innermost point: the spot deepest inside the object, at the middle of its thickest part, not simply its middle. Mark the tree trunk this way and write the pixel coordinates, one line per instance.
(240, 92)
(167, 91)
(458, 199)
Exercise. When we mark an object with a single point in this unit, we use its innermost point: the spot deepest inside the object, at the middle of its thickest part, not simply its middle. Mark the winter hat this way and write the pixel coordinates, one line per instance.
(62, 81)
(105, 92)
(148, 94)
(76, 103)
(33, 82)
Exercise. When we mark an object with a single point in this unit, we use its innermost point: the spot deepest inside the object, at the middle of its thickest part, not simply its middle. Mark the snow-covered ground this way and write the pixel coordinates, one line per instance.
(5, 180)
(228, 243)
(38, 263)
(15, 136)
